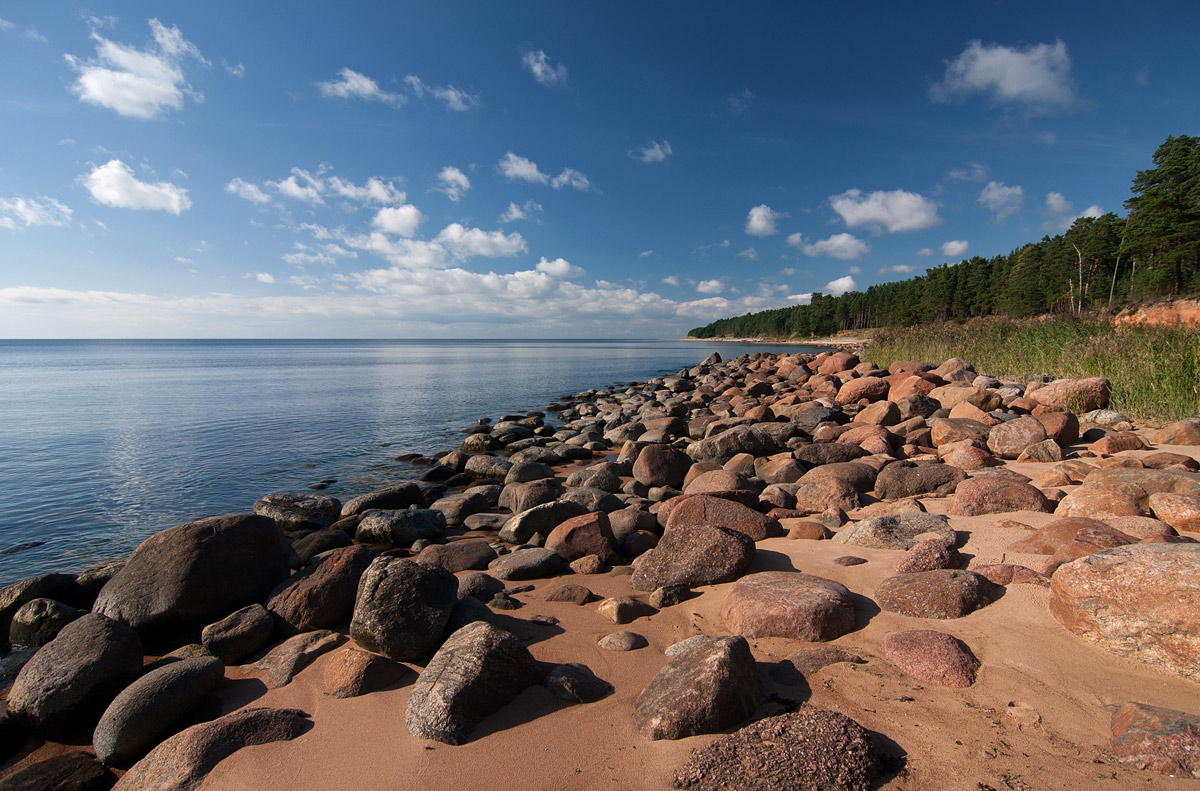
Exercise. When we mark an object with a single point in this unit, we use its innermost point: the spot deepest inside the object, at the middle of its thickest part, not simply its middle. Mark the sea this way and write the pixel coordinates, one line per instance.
(103, 442)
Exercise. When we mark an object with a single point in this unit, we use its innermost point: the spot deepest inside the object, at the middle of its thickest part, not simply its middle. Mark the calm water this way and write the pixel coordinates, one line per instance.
(105, 442)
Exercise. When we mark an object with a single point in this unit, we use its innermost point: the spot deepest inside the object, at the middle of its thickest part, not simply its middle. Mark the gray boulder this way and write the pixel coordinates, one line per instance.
(322, 595)
(527, 564)
(239, 634)
(299, 510)
(401, 528)
(402, 608)
(902, 479)
(694, 555)
(73, 771)
(709, 686)
(539, 519)
(895, 531)
(518, 497)
(291, 656)
(39, 621)
(401, 494)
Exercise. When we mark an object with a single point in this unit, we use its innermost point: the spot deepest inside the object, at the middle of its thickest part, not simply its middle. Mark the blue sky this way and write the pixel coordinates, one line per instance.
(467, 169)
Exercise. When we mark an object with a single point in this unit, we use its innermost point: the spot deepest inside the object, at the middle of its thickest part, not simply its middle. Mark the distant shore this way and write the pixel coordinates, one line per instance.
(829, 343)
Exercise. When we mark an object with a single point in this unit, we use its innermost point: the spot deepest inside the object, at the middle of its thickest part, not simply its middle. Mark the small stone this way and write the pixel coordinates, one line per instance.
(502, 601)
(291, 656)
(351, 672)
(931, 657)
(588, 564)
(622, 641)
(670, 595)
(849, 560)
(570, 592)
(624, 609)
(576, 683)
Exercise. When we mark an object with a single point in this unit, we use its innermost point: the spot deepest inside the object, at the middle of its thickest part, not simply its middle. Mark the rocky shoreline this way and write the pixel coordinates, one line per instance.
(861, 578)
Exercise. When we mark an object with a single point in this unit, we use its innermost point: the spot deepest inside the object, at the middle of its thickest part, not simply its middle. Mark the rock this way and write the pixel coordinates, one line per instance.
(1165, 459)
(945, 431)
(719, 482)
(570, 592)
(809, 660)
(669, 596)
(807, 750)
(707, 687)
(986, 494)
(57, 587)
(197, 573)
(314, 544)
(539, 519)
(1097, 504)
(858, 474)
(401, 528)
(594, 499)
(518, 497)
(458, 555)
(70, 680)
(1009, 439)
(820, 453)
(73, 771)
(739, 439)
(479, 585)
(238, 635)
(817, 496)
(576, 683)
(1162, 740)
(1045, 452)
(966, 456)
(927, 555)
(1011, 574)
(588, 534)
(182, 762)
(805, 529)
(401, 494)
(402, 608)
(694, 555)
(589, 564)
(622, 641)
(899, 531)
(629, 520)
(1076, 395)
(321, 596)
(284, 661)
(299, 510)
(942, 593)
(526, 471)
(478, 670)
(703, 509)
(1140, 601)
(1047, 539)
(1180, 511)
(1181, 432)
(849, 560)
(527, 564)
(932, 657)
(483, 466)
(351, 672)
(39, 621)
(145, 711)
(1062, 427)
(788, 604)
(623, 609)
(902, 479)
(457, 507)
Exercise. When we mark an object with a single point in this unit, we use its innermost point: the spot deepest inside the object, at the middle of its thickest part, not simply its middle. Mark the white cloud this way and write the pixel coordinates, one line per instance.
(739, 103)
(525, 212)
(559, 267)
(671, 280)
(925, 251)
(1037, 77)
(19, 212)
(453, 98)
(896, 210)
(1002, 199)
(571, 178)
(955, 248)
(352, 85)
(399, 220)
(519, 168)
(325, 255)
(540, 67)
(842, 246)
(113, 184)
(840, 286)
(761, 221)
(454, 183)
(800, 299)
(306, 282)
(376, 190)
(462, 242)
(645, 253)
(1061, 212)
(262, 277)
(137, 83)
(302, 186)
(749, 253)
(234, 70)
(972, 172)
(710, 286)
(7, 26)
(655, 152)
(248, 191)
(903, 269)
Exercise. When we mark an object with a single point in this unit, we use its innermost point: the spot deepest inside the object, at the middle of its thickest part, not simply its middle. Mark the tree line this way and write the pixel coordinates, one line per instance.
(1100, 263)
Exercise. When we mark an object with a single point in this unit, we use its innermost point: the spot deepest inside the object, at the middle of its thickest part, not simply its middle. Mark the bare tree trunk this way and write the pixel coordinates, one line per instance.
(1079, 254)
(1117, 267)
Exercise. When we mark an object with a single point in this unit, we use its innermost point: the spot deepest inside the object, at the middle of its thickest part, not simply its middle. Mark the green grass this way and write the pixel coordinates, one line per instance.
(1154, 371)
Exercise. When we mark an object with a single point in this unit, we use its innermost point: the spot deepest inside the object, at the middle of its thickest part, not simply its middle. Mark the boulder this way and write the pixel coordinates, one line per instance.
(1076, 395)
(71, 679)
(991, 494)
(1141, 601)
(739, 439)
(458, 555)
(897, 531)
(589, 534)
(401, 494)
(322, 595)
(198, 572)
(313, 544)
(73, 771)
(182, 762)
(1097, 504)
(927, 555)
(932, 657)
(1158, 739)
(820, 453)
(1009, 439)
(58, 587)
(694, 555)
(703, 509)
(401, 528)
(942, 593)
(788, 604)
(284, 661)
(945, 431)
(239, 634)
(539, 519)
(299, 510)
(349, 673)
(479, 669)
(494, 467)
(1181, 432)
(1180, 511)
(622, 641)
(902, 479)
(527, 564)
(518, 497)
(457, 507)
(145, 711)
(816, 496)
(402, 608)
(869, 388)
(576, 683)
(707, 687)
(39, 621)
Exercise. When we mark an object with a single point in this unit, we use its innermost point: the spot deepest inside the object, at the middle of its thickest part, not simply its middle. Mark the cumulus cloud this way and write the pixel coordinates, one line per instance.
(376, 190)
(761, 221)
(571, 178)
(518, 168)
(902, 269)
(671, 280)
(234, 70)
(538, 64)
(138, 83)
(19, 212)
(1001, 198)
(655, 152)
(559, 267)
(454, 183)
(843, 246)
(1061, 212)
(955, 248)
(462, 242)
(749, 254)
(840, 286)
(800, 299)
(398, 220)
(350, 84)
(925, 251)
(1036, 77)
(113, 184)
(710, 286)
(973, 171)
(247, 191)
(262, 277)
(896, 210)
(524, 212)
(454, 98)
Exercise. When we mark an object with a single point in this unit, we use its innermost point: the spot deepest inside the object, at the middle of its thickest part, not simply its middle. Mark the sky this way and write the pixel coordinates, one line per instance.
(548, 170)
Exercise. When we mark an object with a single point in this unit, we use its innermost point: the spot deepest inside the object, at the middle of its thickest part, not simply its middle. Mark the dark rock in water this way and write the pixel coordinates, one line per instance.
(299, 510)
(144, 712)
(709, 686)
(1162, 740)
(478, 670)
(284, 661)
(16, 549)
(314, 544)
(195, 573)
(694, 555)
(59, 587)
(807, 750)
(39, 621)
(479, 585)
(401, 528)
(401, 494)
(70, 680)
(322, 596)
(527, 564)
(182, 762)
(402, 608)
(458, 555)
(943, 593)
(350, 673)
(576, 683)
(239, 634)
(73, 771)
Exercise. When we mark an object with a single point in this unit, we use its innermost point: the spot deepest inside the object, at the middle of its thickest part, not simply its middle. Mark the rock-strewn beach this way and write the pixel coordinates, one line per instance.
(780, 571)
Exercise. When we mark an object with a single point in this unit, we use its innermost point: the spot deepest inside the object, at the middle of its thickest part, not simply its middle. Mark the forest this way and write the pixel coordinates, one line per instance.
(1099, 265)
